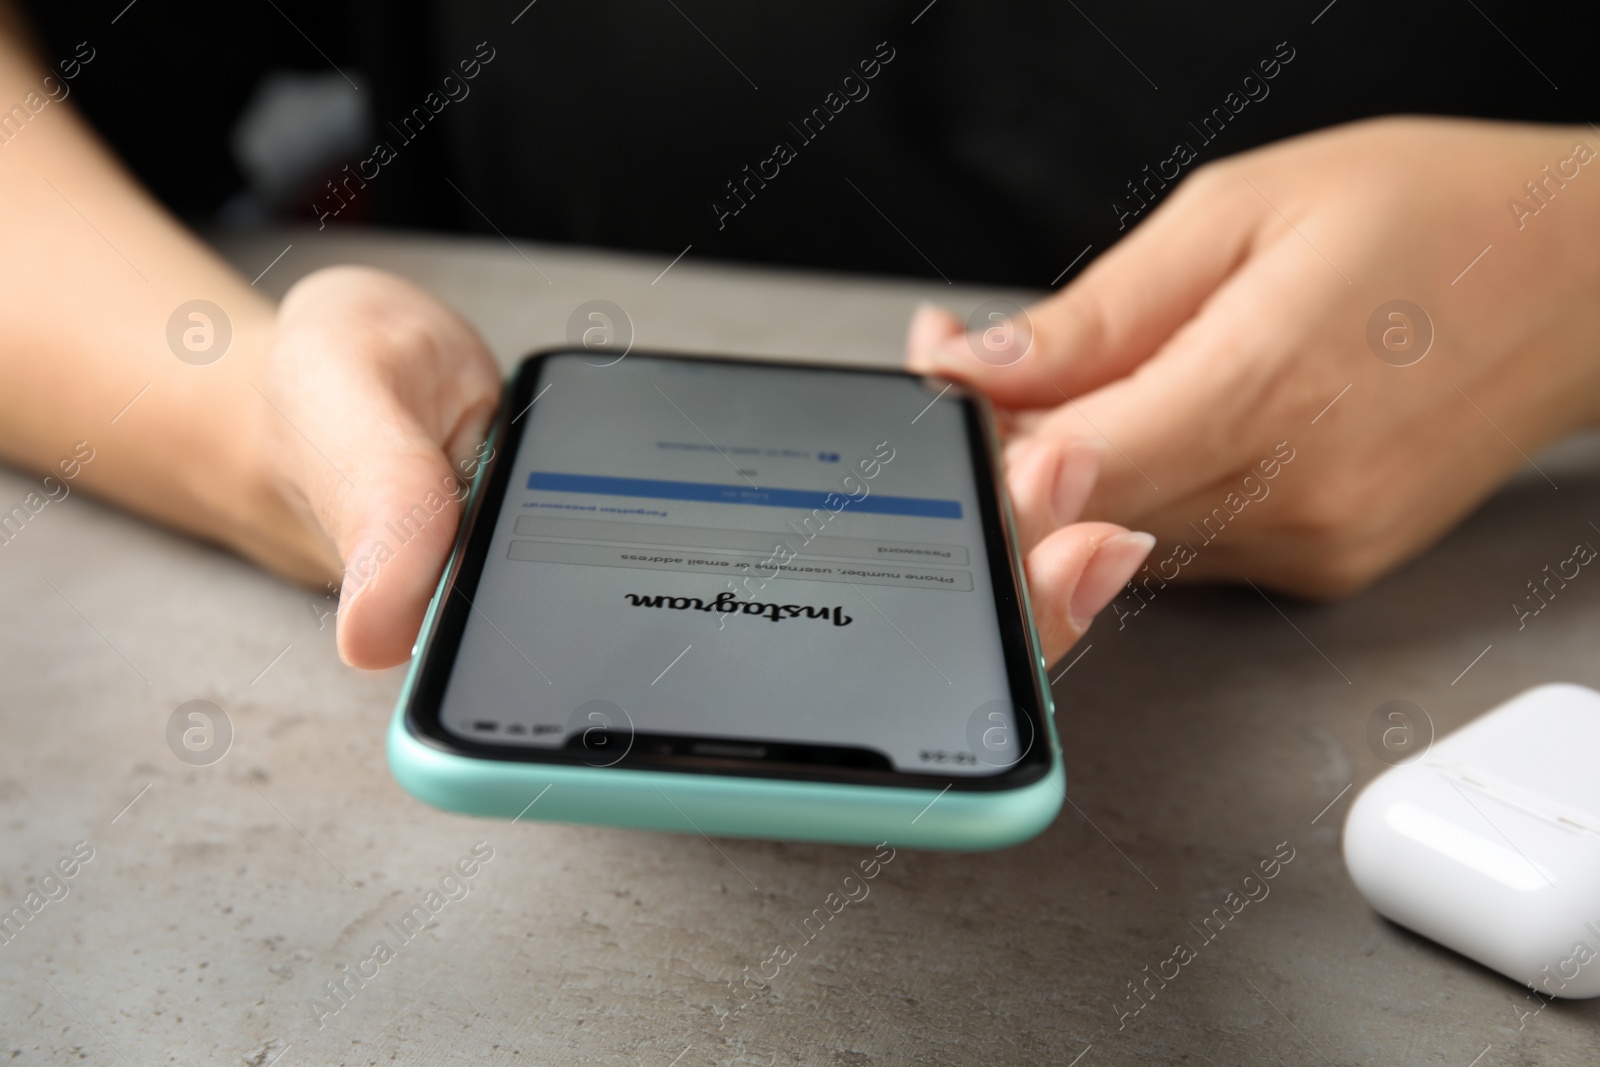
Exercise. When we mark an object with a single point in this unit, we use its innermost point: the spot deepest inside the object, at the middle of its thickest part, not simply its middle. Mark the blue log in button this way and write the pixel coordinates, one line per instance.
(713, 493)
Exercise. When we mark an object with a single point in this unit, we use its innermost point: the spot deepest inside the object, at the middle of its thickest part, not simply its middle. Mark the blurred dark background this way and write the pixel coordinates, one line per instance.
(997, 140)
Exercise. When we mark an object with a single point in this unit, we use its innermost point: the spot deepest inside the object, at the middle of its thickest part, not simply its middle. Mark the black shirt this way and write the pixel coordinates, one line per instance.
(975, 141)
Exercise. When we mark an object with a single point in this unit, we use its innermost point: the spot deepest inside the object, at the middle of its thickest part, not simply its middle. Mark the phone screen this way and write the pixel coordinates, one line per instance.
(753, 565)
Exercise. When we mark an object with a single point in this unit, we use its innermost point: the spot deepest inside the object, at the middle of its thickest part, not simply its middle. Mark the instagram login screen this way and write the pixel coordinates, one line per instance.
(742, 552)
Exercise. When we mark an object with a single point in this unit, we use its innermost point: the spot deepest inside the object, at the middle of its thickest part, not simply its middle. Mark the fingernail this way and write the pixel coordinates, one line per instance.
(360, 572)
(949, 355)
(931, 325)
(1080, 469)
(472, 431)
(1108, 570)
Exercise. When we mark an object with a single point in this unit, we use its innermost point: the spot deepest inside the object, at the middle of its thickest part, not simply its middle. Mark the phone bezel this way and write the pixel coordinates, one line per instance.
(438, 645)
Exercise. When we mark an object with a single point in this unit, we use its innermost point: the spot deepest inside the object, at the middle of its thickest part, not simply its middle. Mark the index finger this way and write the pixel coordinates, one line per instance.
(1194, 412)
(1120, 311)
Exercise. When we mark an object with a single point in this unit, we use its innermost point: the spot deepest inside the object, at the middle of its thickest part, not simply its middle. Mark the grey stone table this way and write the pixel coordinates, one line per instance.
(1208, 733)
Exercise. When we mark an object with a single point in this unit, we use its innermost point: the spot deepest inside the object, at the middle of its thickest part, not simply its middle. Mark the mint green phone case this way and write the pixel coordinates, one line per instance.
(729, 805)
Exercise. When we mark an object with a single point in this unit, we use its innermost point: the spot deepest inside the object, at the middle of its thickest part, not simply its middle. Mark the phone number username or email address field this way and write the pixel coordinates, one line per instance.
(698, 562)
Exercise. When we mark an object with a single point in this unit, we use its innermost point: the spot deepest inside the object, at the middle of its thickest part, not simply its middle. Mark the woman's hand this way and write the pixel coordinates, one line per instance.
(1219, 356)
(374, 407)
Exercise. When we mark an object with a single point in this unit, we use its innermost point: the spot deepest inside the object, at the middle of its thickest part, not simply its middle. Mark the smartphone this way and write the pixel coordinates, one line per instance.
(735, 597)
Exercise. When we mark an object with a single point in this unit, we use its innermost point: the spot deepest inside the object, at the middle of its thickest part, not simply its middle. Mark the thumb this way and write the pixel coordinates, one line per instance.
(395, 535)
(1109, 320)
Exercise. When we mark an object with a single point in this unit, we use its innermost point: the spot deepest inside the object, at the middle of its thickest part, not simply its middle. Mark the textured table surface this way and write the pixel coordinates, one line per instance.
(1208, 733)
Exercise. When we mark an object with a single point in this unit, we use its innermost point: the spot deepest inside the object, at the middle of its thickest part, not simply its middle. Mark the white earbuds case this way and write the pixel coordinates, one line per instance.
(1489, 843)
